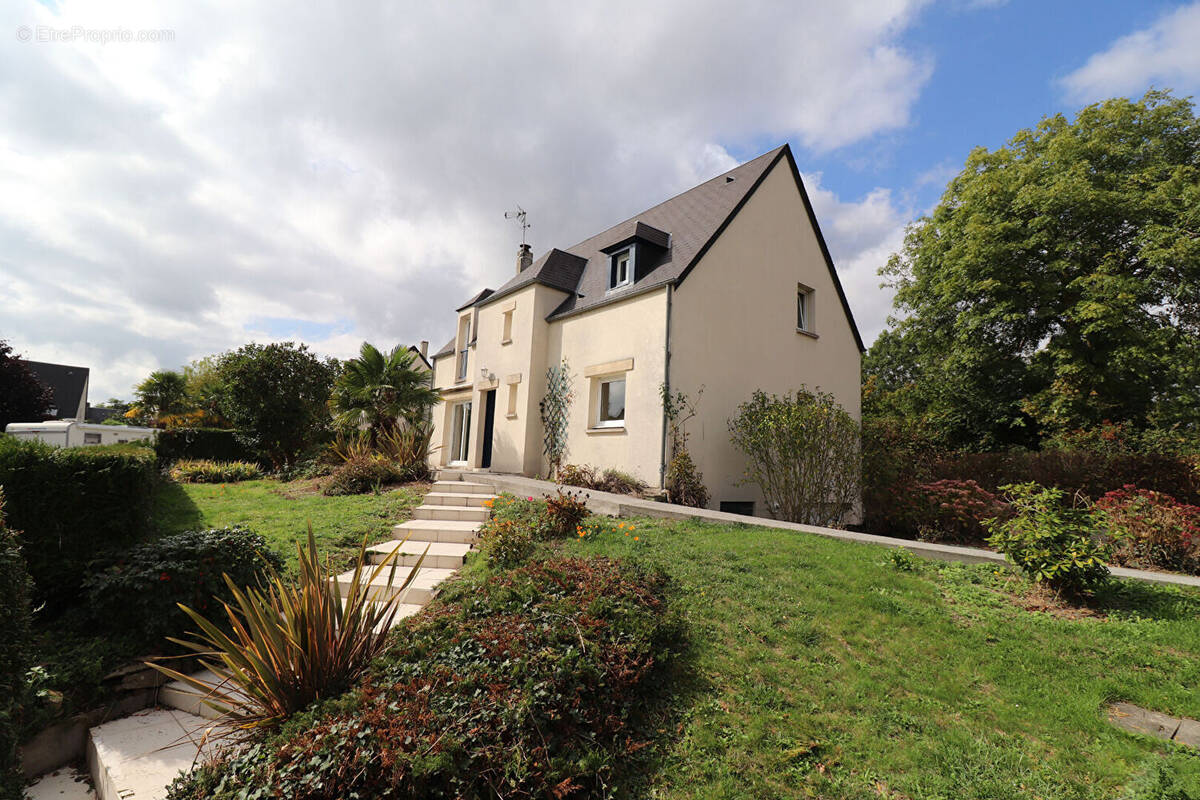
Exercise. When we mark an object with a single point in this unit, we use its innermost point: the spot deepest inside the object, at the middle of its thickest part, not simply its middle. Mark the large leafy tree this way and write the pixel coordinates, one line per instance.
(277, 395)
(377, 390)
(23, 398)
(1056, 284)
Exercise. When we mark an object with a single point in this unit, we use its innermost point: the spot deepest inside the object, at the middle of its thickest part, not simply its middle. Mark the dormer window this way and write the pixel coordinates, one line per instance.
(621, 269)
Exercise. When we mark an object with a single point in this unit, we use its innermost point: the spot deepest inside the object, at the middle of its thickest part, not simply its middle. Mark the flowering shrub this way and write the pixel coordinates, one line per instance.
(139, 592)
(564, 512)
(596, 527)
(1048, 541)
(1151, 529)
(947, 510)
(544, 681)
(506, 543)
(204, 471)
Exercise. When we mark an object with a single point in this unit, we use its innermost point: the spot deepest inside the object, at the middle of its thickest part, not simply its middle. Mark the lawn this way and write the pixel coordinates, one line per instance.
(281, 513)
(836, 670)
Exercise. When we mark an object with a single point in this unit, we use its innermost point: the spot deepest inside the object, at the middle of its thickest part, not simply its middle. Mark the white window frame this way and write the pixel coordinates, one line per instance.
(805, 311)
(601, 383)
(613, 281)
(460, 432)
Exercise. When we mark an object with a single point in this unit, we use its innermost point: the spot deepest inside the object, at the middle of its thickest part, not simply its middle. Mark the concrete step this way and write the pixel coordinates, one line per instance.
(65, 783)
(419, 593)
(451, 512)
(137, 757)
(437, 530)
(462, 487)
(457, 499)
(181, 696)
(441, 555)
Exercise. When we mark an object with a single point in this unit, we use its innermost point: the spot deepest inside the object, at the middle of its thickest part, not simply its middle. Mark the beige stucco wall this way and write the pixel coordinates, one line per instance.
(733, 327)
(633, 329)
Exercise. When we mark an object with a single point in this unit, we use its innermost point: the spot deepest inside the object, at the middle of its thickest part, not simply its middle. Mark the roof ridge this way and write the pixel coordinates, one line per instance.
(675, 197)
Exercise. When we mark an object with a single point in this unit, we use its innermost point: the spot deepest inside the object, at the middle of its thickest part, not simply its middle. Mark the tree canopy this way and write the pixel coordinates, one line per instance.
(23, 398)
(1056, 285)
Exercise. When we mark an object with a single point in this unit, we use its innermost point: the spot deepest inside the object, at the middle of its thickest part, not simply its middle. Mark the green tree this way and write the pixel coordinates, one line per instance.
(376, 391)
(1056, 285)
(277, 395)
(23, 398)
(160, 395)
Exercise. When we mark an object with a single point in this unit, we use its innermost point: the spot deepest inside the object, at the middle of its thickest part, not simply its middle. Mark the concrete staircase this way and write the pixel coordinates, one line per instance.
(137, 757)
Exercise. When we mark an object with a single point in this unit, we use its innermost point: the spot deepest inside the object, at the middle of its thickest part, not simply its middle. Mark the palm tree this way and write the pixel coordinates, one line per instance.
(377, 391)
(161, 394)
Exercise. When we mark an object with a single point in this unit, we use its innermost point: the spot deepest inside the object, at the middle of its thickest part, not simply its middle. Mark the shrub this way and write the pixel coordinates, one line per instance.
(73, 505)
(610, 480)
(685, 485)
(544, 681)
(564, 512)
(14, 656)
(200, 471)
(1048, 541)
(1151, 529)
(947, 510)
(294, 642)
(803, 453)
(141, 591)
(201, 443)
(524, 511)
(580, 475)
(506, 544)
(363, 474)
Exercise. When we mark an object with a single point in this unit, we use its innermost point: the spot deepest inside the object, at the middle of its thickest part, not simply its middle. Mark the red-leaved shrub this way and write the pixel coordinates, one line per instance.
(1151, 529)
(946, 510)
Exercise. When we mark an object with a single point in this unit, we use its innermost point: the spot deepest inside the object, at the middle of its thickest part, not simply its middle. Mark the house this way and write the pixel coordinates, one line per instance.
(728, 286)
(68, 384)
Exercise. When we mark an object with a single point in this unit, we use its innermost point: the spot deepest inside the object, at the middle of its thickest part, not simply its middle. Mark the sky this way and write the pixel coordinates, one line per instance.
(180, 178)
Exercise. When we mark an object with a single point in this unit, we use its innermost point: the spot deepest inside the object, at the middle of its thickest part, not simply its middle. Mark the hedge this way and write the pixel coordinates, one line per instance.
(72, 505)
(211, 444)
(14, 656)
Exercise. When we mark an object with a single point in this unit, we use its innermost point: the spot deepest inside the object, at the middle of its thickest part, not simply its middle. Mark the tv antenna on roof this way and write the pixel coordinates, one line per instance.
(519, 215)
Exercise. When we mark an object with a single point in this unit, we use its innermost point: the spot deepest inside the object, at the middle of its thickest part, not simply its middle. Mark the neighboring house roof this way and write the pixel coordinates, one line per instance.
(67, 383)
(99, 413)
(417, 352)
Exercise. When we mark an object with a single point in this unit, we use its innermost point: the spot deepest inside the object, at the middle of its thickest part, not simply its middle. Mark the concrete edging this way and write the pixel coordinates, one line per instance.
(618, 505)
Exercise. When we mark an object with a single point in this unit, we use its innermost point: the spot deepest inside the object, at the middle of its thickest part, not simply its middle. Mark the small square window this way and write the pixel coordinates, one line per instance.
(745, 507)
(91, 438)
(804, 308)
(621, 273)
(612, 403)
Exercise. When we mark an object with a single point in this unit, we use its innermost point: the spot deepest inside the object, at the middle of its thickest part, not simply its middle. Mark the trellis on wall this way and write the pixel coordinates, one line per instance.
(554, 407)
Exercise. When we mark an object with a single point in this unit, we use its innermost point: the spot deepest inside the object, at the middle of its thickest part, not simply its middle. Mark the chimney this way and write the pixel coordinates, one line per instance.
(424, 348)
(524, 258)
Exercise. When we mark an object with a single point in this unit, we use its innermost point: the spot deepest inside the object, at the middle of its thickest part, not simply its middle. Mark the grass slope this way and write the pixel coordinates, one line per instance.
(833, 670)
(281, 512)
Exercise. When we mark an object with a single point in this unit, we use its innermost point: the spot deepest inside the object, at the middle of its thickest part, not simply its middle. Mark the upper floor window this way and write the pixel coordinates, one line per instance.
(506, 333)
(804, 308)
(621, 268)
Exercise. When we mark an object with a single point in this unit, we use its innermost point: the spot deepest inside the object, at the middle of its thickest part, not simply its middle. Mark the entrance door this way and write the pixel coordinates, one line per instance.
(489, 422)
(460, 439)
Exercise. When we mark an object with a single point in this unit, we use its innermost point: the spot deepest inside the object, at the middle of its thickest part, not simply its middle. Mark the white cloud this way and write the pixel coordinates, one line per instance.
(861, 236)
(330, 162)
(1166, 54)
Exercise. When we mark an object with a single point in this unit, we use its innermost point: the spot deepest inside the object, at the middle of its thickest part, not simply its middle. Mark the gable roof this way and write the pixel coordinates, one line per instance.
(682, 229)
(68, 384)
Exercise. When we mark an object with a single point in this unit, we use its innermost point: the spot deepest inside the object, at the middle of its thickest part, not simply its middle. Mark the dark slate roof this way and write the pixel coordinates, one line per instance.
(100, 413)
(446, 350)
(680, 231)
(67, 383)
(479, 298)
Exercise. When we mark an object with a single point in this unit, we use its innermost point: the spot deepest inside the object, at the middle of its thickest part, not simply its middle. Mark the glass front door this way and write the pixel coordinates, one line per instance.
(460, 442)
